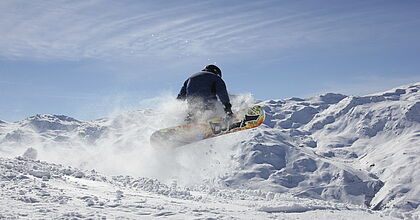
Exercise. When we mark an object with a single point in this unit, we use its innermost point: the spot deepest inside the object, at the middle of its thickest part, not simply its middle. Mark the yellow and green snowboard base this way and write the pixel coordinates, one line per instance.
(190, 133)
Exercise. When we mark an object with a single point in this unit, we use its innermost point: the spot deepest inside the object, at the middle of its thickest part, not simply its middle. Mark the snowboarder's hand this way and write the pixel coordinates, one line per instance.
(229, 114)
(228, 108)
(229, 117)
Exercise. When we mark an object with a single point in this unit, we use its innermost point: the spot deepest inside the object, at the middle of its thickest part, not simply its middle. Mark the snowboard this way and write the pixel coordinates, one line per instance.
(189, 133)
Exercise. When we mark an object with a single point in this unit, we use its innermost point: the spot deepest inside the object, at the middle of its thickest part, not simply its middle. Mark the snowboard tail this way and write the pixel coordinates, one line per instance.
(193, 132)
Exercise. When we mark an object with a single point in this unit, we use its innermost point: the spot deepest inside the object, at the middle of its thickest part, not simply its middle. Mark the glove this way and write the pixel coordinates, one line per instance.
(229, 114)
(228, 109)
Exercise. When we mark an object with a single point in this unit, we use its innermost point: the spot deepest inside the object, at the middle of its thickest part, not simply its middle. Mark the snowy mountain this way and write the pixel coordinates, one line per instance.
(330, 152)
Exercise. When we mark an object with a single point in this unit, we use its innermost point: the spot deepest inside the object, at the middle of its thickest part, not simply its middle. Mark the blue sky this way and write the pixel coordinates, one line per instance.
(88, 59)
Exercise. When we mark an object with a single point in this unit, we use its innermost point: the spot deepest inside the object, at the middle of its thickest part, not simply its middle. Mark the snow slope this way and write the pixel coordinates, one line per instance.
(311, 156)
(34, 189)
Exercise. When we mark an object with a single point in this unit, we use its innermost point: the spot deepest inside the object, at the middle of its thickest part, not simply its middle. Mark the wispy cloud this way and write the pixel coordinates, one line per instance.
(103, 29)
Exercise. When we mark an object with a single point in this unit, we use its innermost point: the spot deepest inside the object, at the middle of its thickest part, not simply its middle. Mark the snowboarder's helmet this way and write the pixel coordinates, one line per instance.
(214, 69)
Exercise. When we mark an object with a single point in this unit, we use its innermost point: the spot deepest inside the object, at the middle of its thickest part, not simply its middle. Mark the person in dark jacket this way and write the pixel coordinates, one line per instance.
(201, 91)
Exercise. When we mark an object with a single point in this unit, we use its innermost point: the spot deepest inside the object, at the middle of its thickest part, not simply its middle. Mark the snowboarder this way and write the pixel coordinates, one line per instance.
(201, 91)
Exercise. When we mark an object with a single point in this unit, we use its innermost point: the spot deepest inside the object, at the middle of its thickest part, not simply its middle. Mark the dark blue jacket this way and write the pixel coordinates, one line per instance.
(206, 87)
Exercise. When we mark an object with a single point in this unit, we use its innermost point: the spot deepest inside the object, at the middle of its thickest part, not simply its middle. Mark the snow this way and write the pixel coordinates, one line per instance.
(330, 156)
(63, 195)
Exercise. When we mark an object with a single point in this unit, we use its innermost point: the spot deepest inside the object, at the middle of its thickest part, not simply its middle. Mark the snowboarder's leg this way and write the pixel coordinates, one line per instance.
(200, 111)
(194, 113)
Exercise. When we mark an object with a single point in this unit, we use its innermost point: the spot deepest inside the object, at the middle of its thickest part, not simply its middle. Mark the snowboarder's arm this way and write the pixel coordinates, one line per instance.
(222, 93)
(183, 93)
